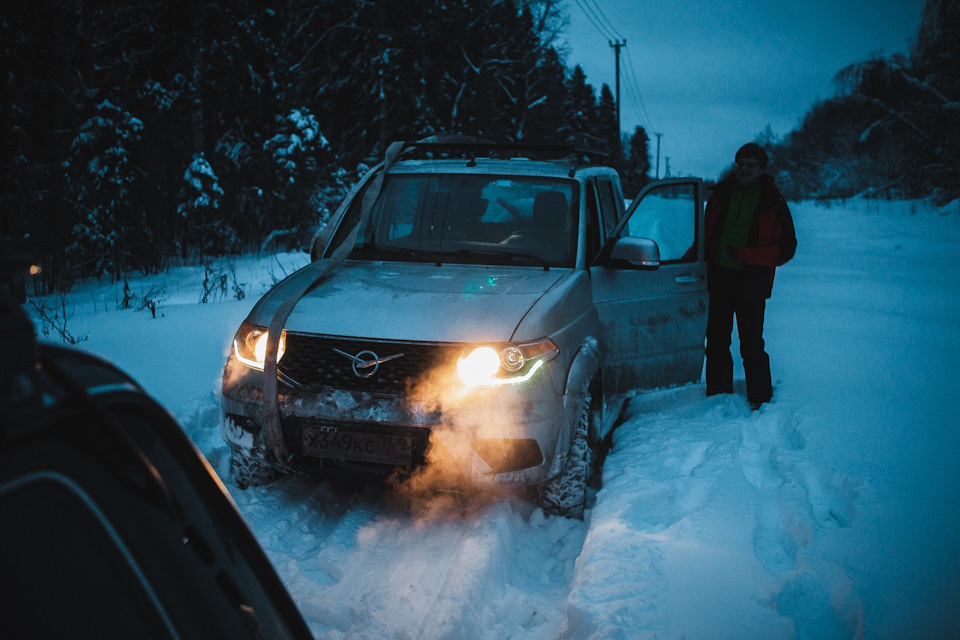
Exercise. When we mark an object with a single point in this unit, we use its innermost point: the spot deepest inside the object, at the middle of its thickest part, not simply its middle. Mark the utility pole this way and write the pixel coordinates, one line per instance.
(616, 46)
(658, 154)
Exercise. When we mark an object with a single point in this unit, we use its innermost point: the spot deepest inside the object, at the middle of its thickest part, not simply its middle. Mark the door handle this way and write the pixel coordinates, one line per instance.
(688, 279)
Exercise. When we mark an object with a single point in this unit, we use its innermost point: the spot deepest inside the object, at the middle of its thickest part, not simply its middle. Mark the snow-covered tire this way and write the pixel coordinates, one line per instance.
(248, 472)
(566, 494)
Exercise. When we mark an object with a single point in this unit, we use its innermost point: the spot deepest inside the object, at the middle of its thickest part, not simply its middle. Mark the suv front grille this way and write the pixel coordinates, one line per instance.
(311, 361)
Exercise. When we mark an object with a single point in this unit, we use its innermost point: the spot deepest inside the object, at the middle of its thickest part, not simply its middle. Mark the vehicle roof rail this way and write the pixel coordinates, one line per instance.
(591, 145)
(583, 149)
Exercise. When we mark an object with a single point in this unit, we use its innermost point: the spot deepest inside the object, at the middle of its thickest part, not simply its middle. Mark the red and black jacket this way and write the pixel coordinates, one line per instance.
(773, 240)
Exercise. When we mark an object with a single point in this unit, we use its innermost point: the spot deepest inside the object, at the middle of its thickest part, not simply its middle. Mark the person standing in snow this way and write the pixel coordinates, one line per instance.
(749, 233)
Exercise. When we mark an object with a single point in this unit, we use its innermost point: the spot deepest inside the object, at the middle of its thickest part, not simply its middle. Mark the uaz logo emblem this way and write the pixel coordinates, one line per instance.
(366, 363)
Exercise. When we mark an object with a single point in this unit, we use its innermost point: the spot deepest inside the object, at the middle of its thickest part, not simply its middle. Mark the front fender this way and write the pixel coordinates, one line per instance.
(583, 370)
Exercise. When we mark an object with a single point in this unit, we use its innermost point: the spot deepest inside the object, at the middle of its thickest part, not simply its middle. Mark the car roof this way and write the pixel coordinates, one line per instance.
(519, 166)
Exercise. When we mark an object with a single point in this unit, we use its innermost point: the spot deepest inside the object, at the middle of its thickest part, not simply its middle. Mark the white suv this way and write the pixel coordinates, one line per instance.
(486, 314)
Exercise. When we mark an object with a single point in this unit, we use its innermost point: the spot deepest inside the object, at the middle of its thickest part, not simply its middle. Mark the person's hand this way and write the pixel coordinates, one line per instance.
(738, 253)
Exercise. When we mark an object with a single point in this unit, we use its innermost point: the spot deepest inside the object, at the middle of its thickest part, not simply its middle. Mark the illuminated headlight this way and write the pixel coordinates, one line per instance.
(495, 365)
(250, 345)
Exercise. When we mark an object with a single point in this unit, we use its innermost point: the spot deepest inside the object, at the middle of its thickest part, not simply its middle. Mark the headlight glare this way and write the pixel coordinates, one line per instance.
(478, 367)
(488, 366)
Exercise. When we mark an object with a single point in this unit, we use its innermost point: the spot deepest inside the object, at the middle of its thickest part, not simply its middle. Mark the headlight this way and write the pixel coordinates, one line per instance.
(250, 345)
(495, 365)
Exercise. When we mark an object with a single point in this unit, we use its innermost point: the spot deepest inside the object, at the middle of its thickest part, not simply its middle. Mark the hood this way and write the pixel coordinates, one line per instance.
(412, 301)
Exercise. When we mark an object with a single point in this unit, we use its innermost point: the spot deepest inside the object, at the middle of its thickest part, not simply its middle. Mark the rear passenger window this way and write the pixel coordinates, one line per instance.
(608, 204)
(594, 241)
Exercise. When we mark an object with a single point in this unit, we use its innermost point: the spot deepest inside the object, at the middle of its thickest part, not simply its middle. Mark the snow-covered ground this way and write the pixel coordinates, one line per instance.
(833, 512)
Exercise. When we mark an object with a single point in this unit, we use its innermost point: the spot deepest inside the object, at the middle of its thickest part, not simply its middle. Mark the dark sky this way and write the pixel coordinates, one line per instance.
(711, 75)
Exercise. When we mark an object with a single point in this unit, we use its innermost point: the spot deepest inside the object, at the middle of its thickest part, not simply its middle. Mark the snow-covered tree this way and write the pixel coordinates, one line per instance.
(892, 130)
(203, 226)
(295, 151)
(102, 178)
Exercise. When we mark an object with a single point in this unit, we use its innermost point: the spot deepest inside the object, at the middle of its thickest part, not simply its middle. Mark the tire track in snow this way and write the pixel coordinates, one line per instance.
(691, 479)
(660, 470)
(360, 566)
(799, 499)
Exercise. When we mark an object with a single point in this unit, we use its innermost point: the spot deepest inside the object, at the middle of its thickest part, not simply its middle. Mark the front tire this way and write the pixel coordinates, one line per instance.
(250, 472)
(566, 494)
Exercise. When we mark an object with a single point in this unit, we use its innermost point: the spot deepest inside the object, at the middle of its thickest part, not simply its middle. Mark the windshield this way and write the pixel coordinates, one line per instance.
(476, 219)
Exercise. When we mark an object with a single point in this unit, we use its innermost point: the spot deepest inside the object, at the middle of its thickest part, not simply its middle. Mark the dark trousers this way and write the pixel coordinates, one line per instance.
(731, 295)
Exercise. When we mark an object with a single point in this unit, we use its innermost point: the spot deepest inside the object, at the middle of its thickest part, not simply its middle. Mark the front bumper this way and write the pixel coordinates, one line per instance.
(482, 437)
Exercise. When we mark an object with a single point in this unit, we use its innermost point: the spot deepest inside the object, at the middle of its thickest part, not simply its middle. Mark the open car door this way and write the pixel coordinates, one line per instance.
(653, 313)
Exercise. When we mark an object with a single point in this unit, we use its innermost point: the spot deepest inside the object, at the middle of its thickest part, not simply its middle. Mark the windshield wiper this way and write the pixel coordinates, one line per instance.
(510, 254)
(400, 251)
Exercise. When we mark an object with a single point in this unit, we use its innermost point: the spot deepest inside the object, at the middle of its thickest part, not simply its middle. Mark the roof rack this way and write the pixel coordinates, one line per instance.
(583, 149)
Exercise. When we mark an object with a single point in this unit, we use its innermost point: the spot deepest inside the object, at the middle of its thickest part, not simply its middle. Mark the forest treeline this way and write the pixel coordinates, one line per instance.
(139, 133)
(892, 130)
(136, 133)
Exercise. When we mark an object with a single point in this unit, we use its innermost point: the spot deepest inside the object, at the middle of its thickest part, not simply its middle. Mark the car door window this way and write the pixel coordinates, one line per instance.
(667, 215)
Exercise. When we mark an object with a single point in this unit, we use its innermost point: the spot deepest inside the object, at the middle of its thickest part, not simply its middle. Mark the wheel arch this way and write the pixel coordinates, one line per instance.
(585, 376)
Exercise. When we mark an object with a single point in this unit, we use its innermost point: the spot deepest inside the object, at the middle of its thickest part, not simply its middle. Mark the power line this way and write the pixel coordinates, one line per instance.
(606, 20)
(633, 88)
(605, 28)
(595, 20)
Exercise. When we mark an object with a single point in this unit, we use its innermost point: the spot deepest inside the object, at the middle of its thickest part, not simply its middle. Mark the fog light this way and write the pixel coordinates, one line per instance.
(505, 455)
(243, 422)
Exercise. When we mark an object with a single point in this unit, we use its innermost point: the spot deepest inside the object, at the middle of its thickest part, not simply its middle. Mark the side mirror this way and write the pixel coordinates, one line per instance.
(639, 252)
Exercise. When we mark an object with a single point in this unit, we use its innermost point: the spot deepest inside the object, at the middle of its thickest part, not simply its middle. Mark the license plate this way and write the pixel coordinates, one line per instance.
(346, 444)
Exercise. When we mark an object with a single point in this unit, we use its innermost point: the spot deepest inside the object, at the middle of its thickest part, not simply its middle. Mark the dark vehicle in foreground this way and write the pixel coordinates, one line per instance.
(112, 525)
(476, 311)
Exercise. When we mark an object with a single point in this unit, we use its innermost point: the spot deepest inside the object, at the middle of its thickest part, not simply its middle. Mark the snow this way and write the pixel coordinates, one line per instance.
(831, 512)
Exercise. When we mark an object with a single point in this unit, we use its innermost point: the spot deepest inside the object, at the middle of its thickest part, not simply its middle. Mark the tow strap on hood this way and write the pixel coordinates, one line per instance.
(320, 269)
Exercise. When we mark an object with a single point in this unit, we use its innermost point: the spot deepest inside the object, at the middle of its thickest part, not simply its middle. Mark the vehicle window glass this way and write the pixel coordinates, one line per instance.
(398, 209)
(471, 218)
(594, 232)
(608, 203)
(667, 215)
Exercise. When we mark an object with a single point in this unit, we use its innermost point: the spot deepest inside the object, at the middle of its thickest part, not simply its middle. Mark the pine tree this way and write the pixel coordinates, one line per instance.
(295, 151)
(199, 207)
(103, 180)
(636, 171)
(580, 106)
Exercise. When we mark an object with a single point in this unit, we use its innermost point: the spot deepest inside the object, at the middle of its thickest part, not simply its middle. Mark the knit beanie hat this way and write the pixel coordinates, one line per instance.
(753, 150)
